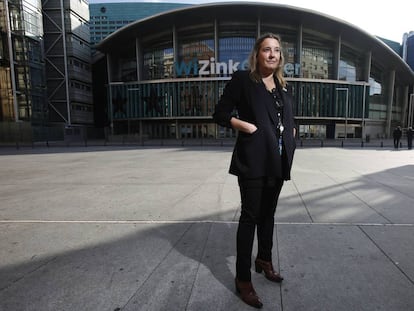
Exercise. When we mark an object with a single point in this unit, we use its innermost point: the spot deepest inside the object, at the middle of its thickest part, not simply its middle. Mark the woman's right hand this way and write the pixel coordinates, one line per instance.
(243, 126)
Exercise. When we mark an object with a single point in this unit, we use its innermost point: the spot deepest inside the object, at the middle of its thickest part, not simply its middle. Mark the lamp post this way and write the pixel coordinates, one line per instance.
(346, 90)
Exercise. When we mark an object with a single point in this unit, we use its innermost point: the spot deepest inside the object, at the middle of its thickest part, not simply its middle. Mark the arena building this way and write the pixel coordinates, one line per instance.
(165, 73)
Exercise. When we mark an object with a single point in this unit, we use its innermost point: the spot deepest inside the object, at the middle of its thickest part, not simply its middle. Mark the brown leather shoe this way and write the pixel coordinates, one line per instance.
(267, 267)
(248, 294)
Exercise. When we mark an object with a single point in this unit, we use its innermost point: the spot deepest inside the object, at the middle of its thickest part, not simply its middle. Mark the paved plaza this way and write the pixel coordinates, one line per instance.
(153, 228)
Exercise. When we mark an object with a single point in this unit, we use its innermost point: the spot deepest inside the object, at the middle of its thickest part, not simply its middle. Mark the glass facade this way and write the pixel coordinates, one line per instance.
(187, 98)
(194, 45)
(22, 57)
(317, 58)
(185, 93)
(351, 65)
(377, 105)
(105, 18)
(181, 73)
(158, 59)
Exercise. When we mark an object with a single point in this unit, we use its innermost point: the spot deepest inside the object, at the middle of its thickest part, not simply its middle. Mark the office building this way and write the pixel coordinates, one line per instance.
(45, 69)
(105, 18)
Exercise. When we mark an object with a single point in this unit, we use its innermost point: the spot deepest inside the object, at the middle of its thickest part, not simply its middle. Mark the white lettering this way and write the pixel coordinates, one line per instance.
(289, 69)
(203, 70)
(297, 69)
(206, 67)
(233, 67)
(245, 64)
(221, 68)
(212, 66)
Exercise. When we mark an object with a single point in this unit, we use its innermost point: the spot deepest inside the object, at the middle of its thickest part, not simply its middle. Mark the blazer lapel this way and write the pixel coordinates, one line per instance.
(285, 99)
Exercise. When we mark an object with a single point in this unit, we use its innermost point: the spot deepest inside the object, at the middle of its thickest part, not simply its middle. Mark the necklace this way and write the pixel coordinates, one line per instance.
(269, 83)
(270, 86)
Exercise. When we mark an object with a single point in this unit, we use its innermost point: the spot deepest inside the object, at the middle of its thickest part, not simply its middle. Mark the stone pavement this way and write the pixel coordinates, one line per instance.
(140, 228)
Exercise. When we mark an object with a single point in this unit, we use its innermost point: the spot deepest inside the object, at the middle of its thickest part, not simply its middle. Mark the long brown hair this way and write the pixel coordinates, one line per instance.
(254, 70)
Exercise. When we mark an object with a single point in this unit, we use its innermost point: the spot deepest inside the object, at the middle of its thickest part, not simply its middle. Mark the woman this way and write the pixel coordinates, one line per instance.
(256, 103)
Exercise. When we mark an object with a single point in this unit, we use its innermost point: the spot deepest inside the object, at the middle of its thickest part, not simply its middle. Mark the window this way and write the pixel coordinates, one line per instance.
(351, 65)
(193, 46)
(317, 56)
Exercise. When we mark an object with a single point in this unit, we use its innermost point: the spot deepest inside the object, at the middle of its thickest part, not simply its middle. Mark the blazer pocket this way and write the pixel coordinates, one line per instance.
(248, 136)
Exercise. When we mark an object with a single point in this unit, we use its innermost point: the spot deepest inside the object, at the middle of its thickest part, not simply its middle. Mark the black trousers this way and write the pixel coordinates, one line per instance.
(258, 206)
(396, 143)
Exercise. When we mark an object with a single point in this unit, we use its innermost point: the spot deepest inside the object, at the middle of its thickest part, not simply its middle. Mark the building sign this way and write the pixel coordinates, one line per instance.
(292, 70)
(210, 67)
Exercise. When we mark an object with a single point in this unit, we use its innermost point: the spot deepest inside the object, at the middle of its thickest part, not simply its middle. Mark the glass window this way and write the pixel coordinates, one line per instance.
(317, 57)
(195, 52)
(124, 64)
(32, 19)
(158, 63)
(235, 50)
(377, 107)
(351, 65)
(158, 59)
(196, 98)
(34, 51)
(235, 44)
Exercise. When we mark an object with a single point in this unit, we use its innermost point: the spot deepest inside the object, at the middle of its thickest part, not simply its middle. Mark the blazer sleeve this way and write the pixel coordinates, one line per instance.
(229, 101)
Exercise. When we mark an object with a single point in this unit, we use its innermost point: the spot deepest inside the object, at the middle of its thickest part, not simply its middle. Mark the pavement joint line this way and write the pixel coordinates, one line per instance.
(386, 255)
(388, 186)
(276, 234)
(200, 259)
(28, 221)
(156, 267)
(44, 264)
(343, 185)
(303, 201)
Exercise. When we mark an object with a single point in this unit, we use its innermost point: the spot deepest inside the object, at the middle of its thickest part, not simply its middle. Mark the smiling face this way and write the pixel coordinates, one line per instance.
(268, 56)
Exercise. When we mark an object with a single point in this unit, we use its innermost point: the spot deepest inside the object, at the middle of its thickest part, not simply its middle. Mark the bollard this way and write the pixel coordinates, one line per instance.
(321, 143)
(342, 144)
(362, 143)
(382, 144)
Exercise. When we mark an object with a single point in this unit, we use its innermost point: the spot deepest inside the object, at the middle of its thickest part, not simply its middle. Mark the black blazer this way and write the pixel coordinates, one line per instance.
(257, 155)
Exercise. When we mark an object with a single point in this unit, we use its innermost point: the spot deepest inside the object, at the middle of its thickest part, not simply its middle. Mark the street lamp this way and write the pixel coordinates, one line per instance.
(346, 90)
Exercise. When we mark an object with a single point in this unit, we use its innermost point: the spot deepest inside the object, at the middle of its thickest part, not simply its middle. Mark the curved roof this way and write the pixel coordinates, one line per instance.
(282, 14)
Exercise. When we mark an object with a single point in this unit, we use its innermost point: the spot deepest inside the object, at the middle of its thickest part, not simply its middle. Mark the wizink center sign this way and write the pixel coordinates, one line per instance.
(209, 67)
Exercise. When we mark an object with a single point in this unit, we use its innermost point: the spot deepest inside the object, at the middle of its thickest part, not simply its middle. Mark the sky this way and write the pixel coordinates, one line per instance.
(386, 19)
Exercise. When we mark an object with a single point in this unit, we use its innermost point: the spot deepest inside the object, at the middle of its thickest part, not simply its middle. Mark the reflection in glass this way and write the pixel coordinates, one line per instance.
(377, 106)
(189, 55)
(236, 49)
(317, 58)
(351, 65)
(158, 63)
